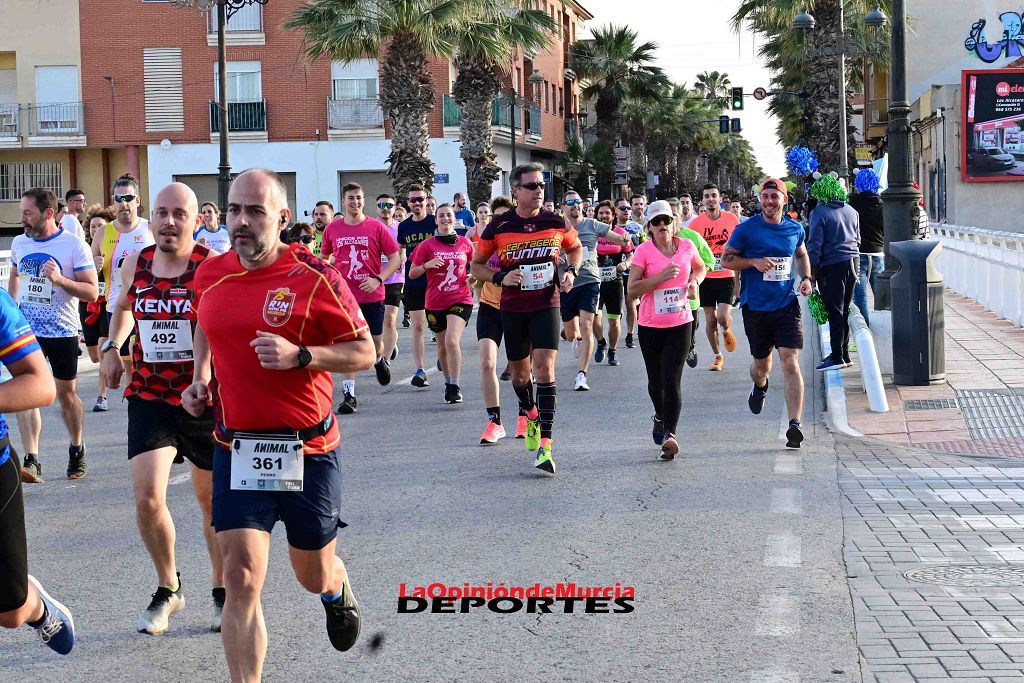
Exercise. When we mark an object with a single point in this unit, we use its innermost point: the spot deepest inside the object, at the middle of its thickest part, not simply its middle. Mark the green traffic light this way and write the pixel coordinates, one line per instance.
(737, 99)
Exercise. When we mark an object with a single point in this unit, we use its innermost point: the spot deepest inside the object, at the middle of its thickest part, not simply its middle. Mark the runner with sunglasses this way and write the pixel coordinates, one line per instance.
(386, 208)
(528, 242)
(613, 260)
(623, 219)
(418, 227)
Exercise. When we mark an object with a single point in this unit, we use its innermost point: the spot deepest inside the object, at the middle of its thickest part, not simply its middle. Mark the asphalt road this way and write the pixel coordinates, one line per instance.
(734, 549)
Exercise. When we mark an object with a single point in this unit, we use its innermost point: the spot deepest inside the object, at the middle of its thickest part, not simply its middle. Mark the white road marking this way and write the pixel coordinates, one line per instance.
(786, 501)
(432, 370)
(780, 615)
(180, 479)
(783, 422)
(774, 676)
(782, 550)
(789, 463)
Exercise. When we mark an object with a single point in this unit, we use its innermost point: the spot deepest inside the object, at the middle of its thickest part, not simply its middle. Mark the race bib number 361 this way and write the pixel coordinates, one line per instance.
(261, 462)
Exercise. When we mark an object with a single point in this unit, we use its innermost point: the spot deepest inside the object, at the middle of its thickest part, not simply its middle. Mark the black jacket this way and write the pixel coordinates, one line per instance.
(869, 206)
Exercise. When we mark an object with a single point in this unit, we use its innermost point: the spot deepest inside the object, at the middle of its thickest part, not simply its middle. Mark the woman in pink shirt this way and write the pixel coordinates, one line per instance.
(665, 274)
(449, 299)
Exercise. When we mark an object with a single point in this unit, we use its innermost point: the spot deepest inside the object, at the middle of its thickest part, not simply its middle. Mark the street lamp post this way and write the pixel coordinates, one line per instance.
(900, 199)
(512, 98)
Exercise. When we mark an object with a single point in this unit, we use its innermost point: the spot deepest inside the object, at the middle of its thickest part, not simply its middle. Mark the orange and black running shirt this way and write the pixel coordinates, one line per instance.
(162, 308)
(519, 242)
(298, 297)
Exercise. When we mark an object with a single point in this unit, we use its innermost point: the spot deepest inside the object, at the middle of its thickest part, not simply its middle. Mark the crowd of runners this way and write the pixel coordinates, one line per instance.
(227, 336)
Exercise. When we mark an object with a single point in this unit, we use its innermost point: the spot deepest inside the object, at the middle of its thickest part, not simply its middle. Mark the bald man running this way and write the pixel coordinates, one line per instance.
(155, 301)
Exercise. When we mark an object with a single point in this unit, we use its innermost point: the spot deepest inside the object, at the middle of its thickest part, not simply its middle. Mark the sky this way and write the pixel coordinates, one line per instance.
(695, 36)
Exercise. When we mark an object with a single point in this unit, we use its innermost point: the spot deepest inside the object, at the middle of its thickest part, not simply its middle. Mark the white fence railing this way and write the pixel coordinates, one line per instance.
(984, 265)
(5, 268)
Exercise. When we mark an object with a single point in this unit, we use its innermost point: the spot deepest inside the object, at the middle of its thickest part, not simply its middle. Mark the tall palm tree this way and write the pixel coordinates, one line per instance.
(615, 66)
(486, 47)
(713, 85)
(407, 33)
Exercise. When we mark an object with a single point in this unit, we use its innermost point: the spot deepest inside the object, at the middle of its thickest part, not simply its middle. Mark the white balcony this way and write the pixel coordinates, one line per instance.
(245, 27)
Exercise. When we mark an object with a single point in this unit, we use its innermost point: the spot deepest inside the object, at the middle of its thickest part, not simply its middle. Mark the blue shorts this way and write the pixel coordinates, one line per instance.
(374, 314)
(580, 298)
(310, 516)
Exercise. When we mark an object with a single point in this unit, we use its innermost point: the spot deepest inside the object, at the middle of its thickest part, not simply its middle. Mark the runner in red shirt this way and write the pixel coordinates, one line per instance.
(155, 305)
(277, 321)
(528, 242)
(445, 259)
(719, 288)
(356, 245)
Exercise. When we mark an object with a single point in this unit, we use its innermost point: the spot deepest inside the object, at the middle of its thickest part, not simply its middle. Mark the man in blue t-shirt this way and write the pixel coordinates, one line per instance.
(22, 598)
(768, 249)
(463, 215)
(419, 226)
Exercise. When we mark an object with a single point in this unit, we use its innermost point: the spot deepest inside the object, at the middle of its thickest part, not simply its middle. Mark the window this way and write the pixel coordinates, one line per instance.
(244, 82)
(356, 80)
(18, 176)
(561, 102)
(518, 85)
(164, 99)
(56, 84)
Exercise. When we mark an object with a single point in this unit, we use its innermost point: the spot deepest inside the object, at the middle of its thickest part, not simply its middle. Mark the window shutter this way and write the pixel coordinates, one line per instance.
(165, 102)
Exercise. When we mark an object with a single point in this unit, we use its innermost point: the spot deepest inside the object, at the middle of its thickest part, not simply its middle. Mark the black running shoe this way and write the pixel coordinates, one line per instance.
(757, 398)
(599, 351)
(343, 619)
(394, 353)
(383, 369)
(405, 320)
(31, 470)
(452, 393)
(348, 405)
(76, 462)
(629, 340)
(794, 435)
(218, 607)
(691, 358)
(658, 430)
(612, 360)
(506, 374)
(419, 379)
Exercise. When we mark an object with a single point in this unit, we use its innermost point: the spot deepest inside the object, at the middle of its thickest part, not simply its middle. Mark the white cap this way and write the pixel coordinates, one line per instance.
(658, 208)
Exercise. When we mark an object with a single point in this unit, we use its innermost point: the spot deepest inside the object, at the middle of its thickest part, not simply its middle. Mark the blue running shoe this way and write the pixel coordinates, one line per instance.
(57, 629)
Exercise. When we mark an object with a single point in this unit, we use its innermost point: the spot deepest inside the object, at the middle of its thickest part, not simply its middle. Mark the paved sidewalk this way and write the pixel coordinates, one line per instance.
(934, 545)
(980, 408)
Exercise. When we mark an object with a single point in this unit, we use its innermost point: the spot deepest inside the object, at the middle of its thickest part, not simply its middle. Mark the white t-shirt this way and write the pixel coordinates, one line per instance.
(127, 244)
(50, 310)
(218, 240)
(686, 223)
(71, 225)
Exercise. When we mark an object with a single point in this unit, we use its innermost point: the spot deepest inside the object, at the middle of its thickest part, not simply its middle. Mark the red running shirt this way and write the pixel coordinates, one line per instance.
(522, 242)
(300, 298)
(155, 298)
(448, 284)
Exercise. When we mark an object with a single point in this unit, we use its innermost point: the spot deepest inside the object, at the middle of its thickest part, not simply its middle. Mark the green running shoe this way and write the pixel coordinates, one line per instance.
(544, 460)
(532, 434)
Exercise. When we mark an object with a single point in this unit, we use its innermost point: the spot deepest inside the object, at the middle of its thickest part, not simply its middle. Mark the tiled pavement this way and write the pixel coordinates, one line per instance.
(905, 509)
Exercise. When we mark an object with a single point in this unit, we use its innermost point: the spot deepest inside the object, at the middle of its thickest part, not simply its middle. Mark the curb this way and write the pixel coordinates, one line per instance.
(835, 393)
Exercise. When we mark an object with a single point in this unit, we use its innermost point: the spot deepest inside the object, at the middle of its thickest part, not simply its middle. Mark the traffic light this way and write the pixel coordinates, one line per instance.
(737, 99)
(736, 126)
(723, 124)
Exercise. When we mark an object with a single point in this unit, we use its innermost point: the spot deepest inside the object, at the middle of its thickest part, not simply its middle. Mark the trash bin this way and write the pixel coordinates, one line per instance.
(918, 322)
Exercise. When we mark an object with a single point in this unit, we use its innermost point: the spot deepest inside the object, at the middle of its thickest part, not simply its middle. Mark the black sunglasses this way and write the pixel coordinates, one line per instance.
(118, 198)
(533, 186)
(573, 202)
(417, 200)
(305, 239)
(661, 220)
(624, 207)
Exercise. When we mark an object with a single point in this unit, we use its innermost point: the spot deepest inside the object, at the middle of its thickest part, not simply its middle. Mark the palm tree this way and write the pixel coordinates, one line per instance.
(407, 33)
(583, 162)
(713, 85)
(614, 66)
(486, 46)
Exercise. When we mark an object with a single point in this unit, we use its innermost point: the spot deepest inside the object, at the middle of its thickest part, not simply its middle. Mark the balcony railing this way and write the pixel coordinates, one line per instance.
(533, 121)
(248, 18)
(242, 116)
(64, 118)
(10, 120)
(354, 113)
(452, 113)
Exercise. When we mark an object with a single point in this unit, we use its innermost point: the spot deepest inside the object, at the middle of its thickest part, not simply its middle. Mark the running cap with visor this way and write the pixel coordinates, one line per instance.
(658, 208)
(775, 184)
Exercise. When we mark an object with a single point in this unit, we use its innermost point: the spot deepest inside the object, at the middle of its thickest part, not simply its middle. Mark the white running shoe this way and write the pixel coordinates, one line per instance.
(576, 343)
(581, 382)
(156, 618)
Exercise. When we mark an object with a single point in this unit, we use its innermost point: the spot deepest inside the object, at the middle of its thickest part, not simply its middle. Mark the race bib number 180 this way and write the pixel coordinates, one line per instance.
(37, 290)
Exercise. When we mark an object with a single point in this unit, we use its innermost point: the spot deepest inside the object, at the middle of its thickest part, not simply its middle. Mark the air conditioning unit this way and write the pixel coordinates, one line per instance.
(876, 116)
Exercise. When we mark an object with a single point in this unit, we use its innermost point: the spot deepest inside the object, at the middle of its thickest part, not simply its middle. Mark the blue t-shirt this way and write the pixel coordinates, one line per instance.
(410, 234)
(467, 218)
(756, 238)
(16, 341)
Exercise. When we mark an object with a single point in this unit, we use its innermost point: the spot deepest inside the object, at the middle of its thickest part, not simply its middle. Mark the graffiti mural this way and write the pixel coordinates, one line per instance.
(1010, 44)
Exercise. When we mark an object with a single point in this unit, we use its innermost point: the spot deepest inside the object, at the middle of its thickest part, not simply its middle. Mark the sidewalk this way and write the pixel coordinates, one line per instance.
(980, 408)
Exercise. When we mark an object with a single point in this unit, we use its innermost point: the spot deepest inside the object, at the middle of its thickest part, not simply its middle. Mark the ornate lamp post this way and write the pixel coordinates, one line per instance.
(513, 99)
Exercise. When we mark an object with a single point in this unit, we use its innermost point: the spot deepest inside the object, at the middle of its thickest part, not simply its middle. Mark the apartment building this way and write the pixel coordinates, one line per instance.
(152, 86)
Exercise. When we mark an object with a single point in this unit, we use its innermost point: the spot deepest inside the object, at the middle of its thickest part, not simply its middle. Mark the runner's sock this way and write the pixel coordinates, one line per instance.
(349, 386)
(494, 414)
(455, 381)
(333, 597)
(524, 392)
(546, 408)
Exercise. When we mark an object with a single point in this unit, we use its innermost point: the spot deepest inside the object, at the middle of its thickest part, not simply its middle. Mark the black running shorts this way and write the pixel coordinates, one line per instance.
(717, 290)
(437, 321)
(488, 323)
(414, 298)
(531, 330)
(62, 353)
(13, 546)
(93, 333)
(373, 312)
(611, 298)
(767, 330)
(156, 424)
(393, 294)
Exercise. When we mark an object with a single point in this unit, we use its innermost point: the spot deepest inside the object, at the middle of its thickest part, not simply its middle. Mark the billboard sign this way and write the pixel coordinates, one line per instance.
(992, 118)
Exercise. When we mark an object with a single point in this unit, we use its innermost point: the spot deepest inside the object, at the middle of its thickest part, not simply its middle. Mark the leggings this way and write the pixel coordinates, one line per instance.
(664, 350)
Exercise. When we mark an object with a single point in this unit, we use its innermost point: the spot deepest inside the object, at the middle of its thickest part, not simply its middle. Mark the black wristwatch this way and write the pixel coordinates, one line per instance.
(108, 345)
(378, 278)
(571, 268)
(498, 278)
(305, 357)
(805, 277)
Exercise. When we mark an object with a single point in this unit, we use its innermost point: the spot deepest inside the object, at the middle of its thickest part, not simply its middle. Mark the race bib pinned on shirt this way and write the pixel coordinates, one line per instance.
(537, 275)
(103, 289)
(38, 291)
(266, 462)
(609, 273)
(669, 300)
(718, 265)
(782, 271)
(165, 341)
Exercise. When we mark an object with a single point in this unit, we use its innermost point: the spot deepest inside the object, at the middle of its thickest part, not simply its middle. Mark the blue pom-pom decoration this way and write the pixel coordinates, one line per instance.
(801, 161)
(867, 181)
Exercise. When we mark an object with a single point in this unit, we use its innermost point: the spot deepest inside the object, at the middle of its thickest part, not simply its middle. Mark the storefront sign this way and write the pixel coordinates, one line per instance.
(993, 115)
(1010, 42)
